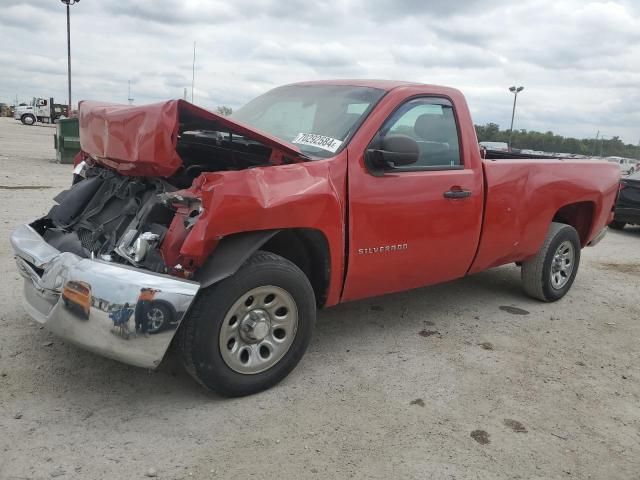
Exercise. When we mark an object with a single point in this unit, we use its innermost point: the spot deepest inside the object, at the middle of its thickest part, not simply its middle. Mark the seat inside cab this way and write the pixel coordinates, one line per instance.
(437, 138)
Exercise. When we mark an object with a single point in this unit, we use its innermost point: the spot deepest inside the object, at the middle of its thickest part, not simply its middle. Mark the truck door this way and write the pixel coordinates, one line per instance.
(41, 109)
(419, 224)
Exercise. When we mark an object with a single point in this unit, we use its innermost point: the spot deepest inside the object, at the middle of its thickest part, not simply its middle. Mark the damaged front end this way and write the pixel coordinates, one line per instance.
(94, 270)
(109, 308)
(111, 266)
(119, 219)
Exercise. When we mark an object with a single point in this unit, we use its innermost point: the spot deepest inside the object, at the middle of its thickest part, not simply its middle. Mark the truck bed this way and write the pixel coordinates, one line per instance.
(523, 196)
(501, 155)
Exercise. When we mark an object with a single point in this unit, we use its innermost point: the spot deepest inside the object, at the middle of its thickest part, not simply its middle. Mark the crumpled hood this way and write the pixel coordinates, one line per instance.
(141, 140)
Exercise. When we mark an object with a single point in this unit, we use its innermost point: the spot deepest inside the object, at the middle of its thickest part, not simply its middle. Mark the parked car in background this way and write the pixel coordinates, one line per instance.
(627, 210)
(497, 146)
(76, 295)
(627, 166)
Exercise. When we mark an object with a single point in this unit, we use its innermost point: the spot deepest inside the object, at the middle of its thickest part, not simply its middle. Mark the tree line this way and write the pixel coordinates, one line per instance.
(550, 142)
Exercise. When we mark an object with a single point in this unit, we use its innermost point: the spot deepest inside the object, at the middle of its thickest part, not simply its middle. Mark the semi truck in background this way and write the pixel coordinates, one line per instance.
(42, 110)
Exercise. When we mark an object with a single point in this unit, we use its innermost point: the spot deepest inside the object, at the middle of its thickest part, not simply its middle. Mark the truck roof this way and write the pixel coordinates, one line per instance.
(371, 83)
(413, 88)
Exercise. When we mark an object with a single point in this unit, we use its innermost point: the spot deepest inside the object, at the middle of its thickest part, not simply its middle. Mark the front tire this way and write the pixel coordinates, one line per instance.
(549, 275)
(28, 120)
(248, 332)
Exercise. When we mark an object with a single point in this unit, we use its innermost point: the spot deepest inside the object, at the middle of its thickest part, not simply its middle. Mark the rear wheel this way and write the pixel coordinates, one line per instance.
(549, 275)
(617, 225)
(248, 332)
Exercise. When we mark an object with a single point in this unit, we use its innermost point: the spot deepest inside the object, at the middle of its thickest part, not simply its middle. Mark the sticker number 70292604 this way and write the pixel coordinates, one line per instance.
(320, 141)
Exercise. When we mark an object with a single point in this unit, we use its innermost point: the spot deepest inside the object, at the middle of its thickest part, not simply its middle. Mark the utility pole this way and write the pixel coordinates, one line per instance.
(515, 91)
(68, 3)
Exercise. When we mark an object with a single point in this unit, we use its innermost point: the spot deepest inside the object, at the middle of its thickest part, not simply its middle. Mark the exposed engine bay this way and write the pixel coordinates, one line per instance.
(131, 202)
(212, 151)
(116, 218)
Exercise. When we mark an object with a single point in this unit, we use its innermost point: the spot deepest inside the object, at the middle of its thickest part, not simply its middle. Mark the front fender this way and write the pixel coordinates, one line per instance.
(230, 254)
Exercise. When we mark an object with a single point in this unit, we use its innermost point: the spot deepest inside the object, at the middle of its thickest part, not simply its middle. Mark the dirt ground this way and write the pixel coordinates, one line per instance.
(467, 380)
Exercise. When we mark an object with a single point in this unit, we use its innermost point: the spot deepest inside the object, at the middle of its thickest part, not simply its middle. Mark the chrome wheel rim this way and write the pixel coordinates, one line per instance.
(562, 264)
(155, 319)
(258, 329)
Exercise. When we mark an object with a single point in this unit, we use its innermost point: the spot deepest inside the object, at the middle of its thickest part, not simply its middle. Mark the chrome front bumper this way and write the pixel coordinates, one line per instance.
(76, 298)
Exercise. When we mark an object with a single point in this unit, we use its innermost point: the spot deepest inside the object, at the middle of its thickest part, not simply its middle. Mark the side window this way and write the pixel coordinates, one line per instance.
(430, 122)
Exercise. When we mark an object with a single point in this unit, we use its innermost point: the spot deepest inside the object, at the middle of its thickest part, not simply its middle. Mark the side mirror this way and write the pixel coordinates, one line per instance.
(394, 151)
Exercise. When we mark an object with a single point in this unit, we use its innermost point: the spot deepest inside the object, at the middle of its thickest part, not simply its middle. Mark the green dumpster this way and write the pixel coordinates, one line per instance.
(67, 139)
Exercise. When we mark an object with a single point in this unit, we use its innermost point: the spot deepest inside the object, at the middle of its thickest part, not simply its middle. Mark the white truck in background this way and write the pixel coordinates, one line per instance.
(627, 165)
(42, 110)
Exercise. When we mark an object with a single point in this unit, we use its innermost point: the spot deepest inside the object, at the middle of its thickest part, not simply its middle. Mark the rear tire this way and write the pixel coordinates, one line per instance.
(216, 338)
(617, 225)
(549, 275)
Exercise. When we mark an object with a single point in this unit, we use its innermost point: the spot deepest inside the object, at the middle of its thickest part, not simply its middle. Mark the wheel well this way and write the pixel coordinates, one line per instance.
(309, 250)
(579, 216)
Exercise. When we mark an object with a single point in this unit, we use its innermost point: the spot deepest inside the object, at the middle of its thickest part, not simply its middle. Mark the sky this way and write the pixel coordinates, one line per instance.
(578, 60)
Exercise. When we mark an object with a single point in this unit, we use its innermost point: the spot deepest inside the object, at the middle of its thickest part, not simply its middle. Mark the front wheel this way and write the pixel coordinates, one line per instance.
(549, 275)
(28, 119)
(246, 333)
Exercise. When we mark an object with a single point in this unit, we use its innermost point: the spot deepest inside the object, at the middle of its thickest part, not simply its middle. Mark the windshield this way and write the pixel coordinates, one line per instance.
(318, 119)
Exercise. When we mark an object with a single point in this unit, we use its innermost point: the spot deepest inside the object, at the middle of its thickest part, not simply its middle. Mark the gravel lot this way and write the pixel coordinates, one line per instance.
(467, 380)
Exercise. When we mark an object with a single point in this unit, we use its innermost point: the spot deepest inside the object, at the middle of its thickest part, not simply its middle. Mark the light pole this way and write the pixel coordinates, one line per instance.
(68, 3)
(515, 91)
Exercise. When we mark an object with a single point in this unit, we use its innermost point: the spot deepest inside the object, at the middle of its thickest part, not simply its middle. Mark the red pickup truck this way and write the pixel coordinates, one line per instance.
(230, 232)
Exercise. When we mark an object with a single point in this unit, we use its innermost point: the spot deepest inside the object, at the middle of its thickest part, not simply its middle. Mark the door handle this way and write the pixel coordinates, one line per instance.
(457, 194)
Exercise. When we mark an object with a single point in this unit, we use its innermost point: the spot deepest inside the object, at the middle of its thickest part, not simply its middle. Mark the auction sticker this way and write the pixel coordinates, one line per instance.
(320, 141)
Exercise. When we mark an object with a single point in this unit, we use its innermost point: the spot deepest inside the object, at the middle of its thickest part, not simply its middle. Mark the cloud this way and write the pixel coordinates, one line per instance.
(432, 56)
(579, 60)
(385, 9)
(331, 54)
(186, 13)
(23, 16)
